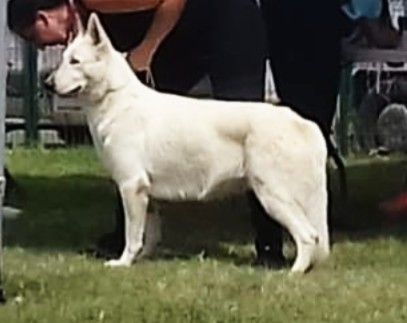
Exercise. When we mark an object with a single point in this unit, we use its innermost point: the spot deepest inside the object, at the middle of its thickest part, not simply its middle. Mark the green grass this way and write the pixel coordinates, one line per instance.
(203, 272)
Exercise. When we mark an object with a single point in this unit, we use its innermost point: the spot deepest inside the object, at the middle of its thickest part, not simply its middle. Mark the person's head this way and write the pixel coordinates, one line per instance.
(43, 22)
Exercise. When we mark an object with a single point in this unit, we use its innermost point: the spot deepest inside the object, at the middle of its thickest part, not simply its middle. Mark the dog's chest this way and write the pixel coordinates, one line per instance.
(101, 132)
(105, 138)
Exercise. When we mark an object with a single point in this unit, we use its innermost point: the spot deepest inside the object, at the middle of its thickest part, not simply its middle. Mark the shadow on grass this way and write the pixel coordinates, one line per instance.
(60, 213)
(70, 212)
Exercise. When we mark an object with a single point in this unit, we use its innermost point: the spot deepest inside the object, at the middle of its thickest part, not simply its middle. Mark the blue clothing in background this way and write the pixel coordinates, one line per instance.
(356, 9)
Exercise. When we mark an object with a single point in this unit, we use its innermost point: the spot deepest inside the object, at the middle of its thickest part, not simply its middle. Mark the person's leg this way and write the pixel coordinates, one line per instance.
(181, 60)
(315, 100)
(237, 50)
(269, 235)
(177, 73)
(304, 49)
(110, 245)
(237, 71)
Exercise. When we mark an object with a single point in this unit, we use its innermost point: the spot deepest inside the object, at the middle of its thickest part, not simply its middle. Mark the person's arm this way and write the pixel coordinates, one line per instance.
(167, 14)
(120, 6)
(166, 17)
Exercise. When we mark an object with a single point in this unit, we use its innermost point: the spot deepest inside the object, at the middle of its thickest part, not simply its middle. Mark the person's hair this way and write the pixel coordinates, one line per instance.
(21, 13)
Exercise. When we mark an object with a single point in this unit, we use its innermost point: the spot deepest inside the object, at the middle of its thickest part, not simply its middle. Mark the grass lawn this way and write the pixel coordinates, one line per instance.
(202, 272)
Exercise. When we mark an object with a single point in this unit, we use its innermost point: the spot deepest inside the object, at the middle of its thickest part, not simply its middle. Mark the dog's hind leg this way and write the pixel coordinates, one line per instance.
(316, 211)
(285, 210)
(135, 202)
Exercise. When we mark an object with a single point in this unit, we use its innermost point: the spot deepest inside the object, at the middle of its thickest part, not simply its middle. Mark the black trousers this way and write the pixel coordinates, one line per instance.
(224, 40)
(213, 38)
(304, 48)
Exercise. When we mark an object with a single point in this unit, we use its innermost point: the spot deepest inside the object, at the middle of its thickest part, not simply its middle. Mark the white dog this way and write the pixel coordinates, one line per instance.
(169, 147)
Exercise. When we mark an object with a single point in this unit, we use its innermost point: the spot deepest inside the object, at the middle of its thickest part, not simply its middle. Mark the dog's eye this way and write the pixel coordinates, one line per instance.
(74, 61)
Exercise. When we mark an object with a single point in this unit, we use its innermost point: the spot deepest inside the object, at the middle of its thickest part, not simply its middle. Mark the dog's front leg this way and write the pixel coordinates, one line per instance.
(135, 202)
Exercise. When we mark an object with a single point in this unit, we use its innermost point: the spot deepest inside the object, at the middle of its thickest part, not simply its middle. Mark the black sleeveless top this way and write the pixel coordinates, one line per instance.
(127, 30)
(205, 29)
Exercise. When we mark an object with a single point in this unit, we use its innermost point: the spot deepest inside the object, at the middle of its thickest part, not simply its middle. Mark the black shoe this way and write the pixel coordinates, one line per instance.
(109, 245)
(269, 256)
(2, 296)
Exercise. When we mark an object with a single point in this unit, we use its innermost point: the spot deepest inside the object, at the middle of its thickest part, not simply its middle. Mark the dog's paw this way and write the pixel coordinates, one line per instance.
(117, 263)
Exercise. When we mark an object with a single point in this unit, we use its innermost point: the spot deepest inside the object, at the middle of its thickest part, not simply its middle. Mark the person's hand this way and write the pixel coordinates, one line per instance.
(141, 57)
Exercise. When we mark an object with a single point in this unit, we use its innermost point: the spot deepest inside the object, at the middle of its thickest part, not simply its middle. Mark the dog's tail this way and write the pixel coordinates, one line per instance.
(333, 152)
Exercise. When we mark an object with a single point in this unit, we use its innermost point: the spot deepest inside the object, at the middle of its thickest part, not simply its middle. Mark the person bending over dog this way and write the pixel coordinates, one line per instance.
(180, 41)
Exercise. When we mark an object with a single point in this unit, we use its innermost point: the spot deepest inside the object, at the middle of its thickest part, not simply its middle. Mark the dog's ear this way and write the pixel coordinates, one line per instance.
(96, 32)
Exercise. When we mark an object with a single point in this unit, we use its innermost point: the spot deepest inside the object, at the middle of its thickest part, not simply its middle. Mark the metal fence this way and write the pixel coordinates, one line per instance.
(376, 109)
(33, 115)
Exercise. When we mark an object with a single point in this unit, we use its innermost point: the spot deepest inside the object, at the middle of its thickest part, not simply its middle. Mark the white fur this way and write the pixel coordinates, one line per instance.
(170, 147)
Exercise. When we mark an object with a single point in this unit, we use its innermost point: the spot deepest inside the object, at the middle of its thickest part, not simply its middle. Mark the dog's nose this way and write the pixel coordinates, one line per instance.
(48, 81)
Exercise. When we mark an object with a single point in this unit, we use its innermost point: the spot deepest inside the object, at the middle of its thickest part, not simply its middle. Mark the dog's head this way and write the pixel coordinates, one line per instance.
(85, 63)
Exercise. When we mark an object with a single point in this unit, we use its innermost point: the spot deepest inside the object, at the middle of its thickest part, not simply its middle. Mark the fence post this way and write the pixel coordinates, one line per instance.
(345, 104)
(2, 131)
(30, 72)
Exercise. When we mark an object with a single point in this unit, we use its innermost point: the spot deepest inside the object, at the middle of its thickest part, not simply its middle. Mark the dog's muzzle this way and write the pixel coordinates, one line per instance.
(72, 92)
(49, 85)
